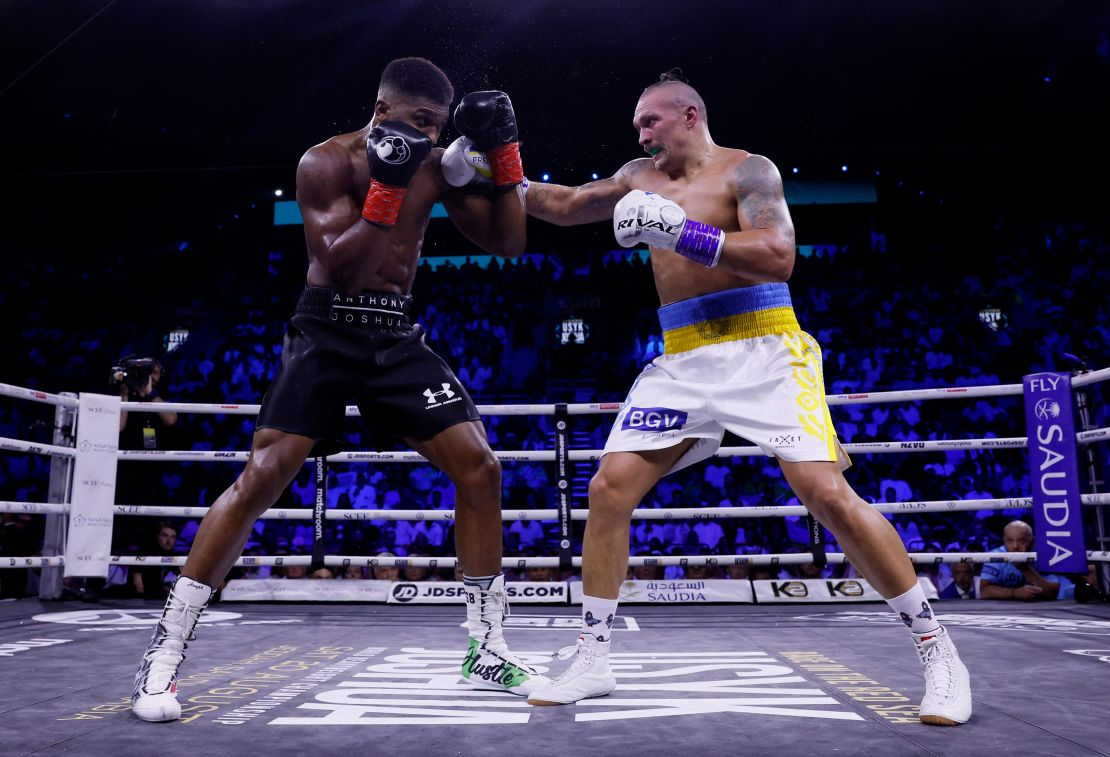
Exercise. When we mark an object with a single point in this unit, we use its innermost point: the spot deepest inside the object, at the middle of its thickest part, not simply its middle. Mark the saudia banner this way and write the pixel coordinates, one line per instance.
(1057, 513)
(676, 592)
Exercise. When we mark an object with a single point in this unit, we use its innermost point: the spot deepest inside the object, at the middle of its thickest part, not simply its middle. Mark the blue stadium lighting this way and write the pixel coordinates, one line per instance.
(794, 170)
(844, 169)
(594, 175)
(546, 176)
(1048, 80)
(279, 192)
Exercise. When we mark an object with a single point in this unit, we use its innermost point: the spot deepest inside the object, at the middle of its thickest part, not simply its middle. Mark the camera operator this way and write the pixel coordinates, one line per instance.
(139, 482)
(138, 380)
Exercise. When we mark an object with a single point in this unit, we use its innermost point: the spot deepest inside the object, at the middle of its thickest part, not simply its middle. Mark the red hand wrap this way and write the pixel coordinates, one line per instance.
(383, 202)
(504, 162)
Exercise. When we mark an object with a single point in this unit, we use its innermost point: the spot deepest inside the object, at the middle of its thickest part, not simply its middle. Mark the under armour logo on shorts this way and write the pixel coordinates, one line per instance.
(433, 397)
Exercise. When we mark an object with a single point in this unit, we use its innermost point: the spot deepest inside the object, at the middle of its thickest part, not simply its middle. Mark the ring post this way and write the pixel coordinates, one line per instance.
(318, 506)
(562, 483)
(816, 541)
(61, 469)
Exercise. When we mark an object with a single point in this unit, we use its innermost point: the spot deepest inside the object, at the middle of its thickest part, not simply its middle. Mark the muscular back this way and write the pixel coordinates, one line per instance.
(345, 252)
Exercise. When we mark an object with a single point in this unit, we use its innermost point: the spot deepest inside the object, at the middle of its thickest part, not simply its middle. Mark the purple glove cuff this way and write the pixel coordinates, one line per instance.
(701, 243)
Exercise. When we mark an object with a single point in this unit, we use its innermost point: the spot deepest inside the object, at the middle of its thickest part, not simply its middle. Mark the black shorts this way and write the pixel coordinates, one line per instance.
(362, 350)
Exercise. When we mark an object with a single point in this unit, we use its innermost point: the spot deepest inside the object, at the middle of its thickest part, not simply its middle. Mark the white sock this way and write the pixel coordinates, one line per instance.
(192, 592)
(914, 610)
(482, 582)
(597, 616)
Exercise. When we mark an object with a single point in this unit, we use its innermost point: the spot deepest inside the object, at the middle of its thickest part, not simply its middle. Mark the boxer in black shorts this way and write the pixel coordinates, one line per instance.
(365, 349)
(366, 198)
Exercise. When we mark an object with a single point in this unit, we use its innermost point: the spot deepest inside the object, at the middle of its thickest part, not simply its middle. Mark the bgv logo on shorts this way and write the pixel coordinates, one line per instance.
(656, 419)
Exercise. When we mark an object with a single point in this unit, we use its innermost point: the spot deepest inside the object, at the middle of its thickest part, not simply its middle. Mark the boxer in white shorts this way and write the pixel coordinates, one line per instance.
(722, 248)
(734, 361)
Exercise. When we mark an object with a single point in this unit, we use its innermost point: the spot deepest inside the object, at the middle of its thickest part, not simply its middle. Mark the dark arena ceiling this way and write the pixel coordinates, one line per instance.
(113, 104)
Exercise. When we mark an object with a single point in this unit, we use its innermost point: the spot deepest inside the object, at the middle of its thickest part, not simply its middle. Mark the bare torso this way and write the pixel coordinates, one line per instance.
(394, 270)
(709, 196)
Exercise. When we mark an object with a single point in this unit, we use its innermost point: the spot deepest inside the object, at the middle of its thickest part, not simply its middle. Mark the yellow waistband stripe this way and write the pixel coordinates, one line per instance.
(731, 328)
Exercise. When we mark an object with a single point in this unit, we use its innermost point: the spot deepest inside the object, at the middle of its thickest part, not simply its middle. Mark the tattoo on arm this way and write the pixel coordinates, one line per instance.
(599, 196)
(540, 198)
(760, 195)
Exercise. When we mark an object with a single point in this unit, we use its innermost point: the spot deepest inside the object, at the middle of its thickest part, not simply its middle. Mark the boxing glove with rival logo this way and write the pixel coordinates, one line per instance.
(647, 218)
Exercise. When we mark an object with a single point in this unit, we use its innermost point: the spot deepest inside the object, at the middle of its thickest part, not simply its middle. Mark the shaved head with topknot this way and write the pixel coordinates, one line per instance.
(675, 84)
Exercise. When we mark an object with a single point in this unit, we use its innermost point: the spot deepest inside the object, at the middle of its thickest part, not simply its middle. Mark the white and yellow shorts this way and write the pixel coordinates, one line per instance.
(733, 361)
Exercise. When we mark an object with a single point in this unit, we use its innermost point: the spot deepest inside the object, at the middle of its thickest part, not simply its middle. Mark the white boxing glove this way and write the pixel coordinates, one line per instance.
(462, 164)
(647, 218)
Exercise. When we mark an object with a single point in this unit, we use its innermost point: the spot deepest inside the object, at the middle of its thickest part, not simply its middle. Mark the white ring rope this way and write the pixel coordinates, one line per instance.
(662, 513)
(32, 562)
(1093, 377)
(34, 508)
(1094, 435)
(548, 456)
(590, 408)
(791, 558)
(35, 448)
(34, 395)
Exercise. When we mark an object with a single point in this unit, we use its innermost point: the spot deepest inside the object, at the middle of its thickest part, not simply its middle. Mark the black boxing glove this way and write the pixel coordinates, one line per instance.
(487, 118)
(394, 151)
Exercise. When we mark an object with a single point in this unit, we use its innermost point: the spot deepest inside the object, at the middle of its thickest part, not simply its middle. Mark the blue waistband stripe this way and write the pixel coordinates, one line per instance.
(709, 307)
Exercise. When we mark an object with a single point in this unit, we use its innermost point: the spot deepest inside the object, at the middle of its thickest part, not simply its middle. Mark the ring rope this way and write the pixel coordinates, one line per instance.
(663, 513)
(34, 508)
(1092, 377)
(794, 558)
(591, 408)
(35, 448)
(1094, 435)
(791, 558)
(582, 513)
(34, 395)
(548, 456)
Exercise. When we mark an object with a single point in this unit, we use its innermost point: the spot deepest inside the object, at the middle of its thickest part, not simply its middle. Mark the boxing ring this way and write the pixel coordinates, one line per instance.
(757, 669)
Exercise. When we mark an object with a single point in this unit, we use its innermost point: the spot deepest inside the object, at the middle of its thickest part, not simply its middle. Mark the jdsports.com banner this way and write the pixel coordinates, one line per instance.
(89, 543)
(451, 592)
(1054, 474)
